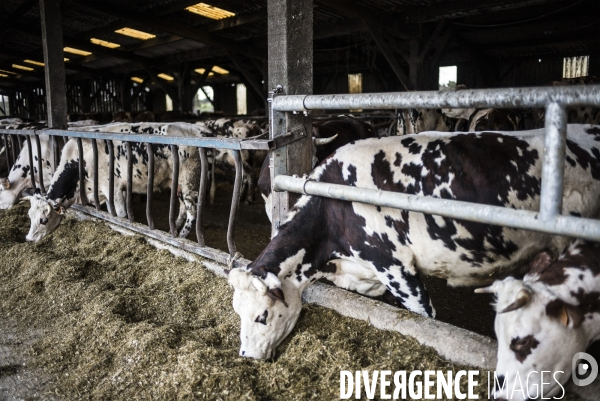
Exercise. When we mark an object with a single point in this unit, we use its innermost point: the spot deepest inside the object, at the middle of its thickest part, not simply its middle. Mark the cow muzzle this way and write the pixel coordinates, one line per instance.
(257, 354)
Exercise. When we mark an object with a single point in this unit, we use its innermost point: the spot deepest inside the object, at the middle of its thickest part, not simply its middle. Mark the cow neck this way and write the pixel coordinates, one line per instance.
(300, 250)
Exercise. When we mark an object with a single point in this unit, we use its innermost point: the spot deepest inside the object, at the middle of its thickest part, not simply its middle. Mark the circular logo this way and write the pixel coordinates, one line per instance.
(585, 369)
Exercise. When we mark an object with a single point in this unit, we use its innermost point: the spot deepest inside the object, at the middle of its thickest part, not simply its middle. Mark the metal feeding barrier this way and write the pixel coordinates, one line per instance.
(235, 145)
(555, 100)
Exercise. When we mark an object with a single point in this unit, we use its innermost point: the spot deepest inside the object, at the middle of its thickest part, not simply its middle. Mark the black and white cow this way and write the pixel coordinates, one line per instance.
(545, 319)
(414, 121)
(240, 129)
(46, 211)
(328, 136)
(389, 248)
(18, 180)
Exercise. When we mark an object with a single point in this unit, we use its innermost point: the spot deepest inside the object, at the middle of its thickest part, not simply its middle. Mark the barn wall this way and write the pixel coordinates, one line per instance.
(225, 98)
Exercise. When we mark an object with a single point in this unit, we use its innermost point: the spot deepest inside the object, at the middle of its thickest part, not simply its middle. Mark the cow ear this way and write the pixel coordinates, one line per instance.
(276, 294)
(570, 316)
(37, 191)
(61, 210)
(239, 279)
(541, 261)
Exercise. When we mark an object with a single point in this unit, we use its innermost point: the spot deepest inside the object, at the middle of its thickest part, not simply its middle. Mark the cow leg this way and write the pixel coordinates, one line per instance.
(406, 286)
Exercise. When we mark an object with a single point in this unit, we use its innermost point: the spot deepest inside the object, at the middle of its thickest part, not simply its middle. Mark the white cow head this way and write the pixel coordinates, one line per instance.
(45, 217)
(537, 332)
(8, 197)
(267, 316)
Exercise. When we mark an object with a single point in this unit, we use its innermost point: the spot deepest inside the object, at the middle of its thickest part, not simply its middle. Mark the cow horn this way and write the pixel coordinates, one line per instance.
(259, 285)
(48, 209)
(486, 290)
(324, 141)
(522, 299)
(5, 183)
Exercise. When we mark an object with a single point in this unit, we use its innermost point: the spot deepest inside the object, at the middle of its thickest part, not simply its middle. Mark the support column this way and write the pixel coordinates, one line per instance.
(54, 71)
(126, 94)
(413, 64)
(183, 89)
(291, 66)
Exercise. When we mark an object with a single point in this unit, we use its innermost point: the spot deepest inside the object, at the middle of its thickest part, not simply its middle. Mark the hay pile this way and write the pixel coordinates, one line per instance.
(123, 320)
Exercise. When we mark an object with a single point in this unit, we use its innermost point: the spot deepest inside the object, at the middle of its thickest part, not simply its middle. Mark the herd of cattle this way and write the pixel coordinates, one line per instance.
(547, 287)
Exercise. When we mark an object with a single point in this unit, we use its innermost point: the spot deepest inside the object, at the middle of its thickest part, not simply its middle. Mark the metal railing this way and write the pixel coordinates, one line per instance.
(555, 100)
(235, 145)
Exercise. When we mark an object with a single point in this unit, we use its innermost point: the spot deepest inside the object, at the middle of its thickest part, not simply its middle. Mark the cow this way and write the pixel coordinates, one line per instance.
(389, 248)
(18, 180)
(546, 318)
(47, 211)
(413, 121)
(328, 135)
(240, 129)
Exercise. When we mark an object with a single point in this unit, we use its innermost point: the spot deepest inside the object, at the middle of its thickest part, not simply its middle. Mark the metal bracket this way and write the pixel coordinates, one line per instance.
(288, 138)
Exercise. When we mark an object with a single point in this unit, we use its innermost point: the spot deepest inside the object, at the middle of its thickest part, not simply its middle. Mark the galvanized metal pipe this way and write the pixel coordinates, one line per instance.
(95, 162)
(201, 195)
(12, 148)
(111, 177)
(523, 219)
(30, 150)
(174, 187)
(150, 190)
(579, 95)
(235, 201)
(129, 198)
(205, 142)
(81, 172)
(38, 149)
(553, 169)
(19, 144)
(53, 154)
(8, 163)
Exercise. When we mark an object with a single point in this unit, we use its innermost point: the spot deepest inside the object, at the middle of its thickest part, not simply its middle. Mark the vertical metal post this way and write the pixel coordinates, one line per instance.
(290, 33)
(174, 187)
(30, 150)
(201, 195)
(19, 143)
(38, 149)
(129, 199)
(413, 63)
(111, 177)
(54, 70)
(553, 169)
(53, 152)
(235, 201)
(12, 148)
(81, 172)
(95, 161)
(8, 163)
(150, 190)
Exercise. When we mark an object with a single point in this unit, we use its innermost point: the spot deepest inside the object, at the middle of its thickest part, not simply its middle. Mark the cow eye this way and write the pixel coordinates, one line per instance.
(262, 319)
(44, 221)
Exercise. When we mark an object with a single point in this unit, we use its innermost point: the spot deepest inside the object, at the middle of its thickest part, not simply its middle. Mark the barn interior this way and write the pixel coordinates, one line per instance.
(177, 48)
(197, 60)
